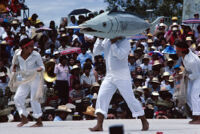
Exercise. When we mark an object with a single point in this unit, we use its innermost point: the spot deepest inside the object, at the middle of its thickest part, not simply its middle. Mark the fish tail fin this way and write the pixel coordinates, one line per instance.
(155, 22)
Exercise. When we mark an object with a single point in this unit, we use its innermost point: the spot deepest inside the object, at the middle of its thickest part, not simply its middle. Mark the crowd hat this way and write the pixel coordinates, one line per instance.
(63, 108)
(188, 38)
(156, 63)
(155, 80)
(174, 18)
(155, 93)
(90, 111)
(166, 74)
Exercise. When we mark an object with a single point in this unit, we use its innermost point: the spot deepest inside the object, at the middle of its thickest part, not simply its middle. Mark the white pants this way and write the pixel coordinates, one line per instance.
(21, 95)
(108, 88)
(193, 96)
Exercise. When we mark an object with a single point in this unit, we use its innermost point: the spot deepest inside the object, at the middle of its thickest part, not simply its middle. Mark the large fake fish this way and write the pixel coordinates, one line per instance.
(115, 24)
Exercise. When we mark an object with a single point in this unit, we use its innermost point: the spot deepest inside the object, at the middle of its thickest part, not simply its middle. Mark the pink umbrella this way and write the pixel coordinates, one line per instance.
(71, 51)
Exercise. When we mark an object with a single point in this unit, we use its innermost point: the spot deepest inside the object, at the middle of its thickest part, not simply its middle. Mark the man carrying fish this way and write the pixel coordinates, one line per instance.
(114, 27)
(117, 77)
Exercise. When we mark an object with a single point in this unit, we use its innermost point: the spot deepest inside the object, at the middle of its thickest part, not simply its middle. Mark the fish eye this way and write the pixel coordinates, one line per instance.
(104, 24)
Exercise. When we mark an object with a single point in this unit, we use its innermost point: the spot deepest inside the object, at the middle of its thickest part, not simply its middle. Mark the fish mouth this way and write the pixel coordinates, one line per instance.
(90, 30)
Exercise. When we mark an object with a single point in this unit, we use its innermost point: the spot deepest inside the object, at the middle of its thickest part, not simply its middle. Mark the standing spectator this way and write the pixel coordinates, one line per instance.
(83, 56)
(62, 73)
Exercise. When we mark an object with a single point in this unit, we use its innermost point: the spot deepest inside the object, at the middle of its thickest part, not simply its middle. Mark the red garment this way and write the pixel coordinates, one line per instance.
(15, 6)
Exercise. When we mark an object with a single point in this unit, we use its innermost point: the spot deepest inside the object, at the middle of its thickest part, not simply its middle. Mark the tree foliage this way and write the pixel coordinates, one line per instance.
(160, 7)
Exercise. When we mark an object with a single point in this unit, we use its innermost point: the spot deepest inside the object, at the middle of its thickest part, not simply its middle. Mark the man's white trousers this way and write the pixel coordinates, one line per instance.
(108, 88)
(21, 95)
(193, 96)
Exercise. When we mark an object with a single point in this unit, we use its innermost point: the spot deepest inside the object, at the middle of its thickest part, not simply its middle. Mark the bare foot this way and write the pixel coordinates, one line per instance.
(37, 124)
(24, 121)
(145, 126)
(96, 128)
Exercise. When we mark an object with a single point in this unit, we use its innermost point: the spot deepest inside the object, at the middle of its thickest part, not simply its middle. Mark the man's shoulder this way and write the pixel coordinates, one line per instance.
(36, 53)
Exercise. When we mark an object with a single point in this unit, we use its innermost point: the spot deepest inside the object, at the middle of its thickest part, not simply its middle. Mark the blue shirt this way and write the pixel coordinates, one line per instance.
(57, 118)
(83, 57)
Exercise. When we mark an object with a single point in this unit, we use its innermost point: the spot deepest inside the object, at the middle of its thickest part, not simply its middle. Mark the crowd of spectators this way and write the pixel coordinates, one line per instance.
(71, 89)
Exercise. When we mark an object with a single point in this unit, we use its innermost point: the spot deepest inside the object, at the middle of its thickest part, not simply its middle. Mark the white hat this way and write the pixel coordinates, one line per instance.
(153, 47)
(174, 24)
(162, 25)
(166, 74)
(139, 89)
(188, 38)
(155, 93)
(63, 108)
(139, 77)
(2, 74)
(70, 106)
(169, 59)
(149, 41)
(146, 56)
(156, 62)
(75, 67)
(95, 95)
(174, 29)
(155, 80)
(171, 79)
(56, 52)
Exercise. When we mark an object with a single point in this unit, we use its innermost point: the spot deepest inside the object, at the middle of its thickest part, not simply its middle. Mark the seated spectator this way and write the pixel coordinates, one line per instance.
(87, 79)
(61, 113)
(77, 93)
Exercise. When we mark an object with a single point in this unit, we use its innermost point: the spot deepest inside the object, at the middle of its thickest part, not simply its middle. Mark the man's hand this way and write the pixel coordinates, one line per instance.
(39, 69)
(115, 39)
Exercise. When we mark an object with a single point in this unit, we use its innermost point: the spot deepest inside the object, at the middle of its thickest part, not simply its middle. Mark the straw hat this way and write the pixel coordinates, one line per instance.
(174, 24)
(174, 29)
(156, 63)
(155, 93)
(71, 106)
(6, 111)
(171, 79)
(153, 47)
(155, 80)
(75, 67)
(145, 87)
(95, 84)
(49, 109)
(4, 42)
(48, 78)
(188, 38)
(166, 74)
(150, 35)
(90, 111)
(139, 89)
(139, 77)
(162, 25)
(149, 41)
(63, 108)
(169, 60)
(146, 56)
(15, 22)
(174, 18)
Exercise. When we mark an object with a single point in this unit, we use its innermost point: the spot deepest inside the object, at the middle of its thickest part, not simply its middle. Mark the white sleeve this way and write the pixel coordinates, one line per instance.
(122, 50)
(195, 71)
(40, 62)
(98, 48)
